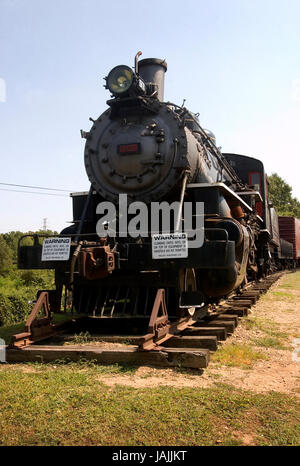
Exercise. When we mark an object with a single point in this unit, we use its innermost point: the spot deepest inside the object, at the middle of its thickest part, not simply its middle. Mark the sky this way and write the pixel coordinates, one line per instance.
(236, 62)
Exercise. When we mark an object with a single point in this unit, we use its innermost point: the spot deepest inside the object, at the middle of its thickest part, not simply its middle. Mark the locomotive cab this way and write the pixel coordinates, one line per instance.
(268, 246)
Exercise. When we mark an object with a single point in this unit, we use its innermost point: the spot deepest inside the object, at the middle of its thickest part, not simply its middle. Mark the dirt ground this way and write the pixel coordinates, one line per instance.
(278, 372)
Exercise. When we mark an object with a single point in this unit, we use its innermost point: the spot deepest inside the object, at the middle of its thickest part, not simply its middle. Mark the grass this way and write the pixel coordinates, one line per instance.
(266, 326)
(84, 364)
(239, 355)
(288, 290)
(271, 335)
(269, 332)
(282, 294)
(292, 281)
(84, 338)
(67, 405)
(270, 342)
(81, 338)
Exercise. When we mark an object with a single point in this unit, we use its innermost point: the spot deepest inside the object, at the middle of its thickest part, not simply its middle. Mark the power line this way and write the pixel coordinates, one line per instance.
(33, 192)
(35, 187)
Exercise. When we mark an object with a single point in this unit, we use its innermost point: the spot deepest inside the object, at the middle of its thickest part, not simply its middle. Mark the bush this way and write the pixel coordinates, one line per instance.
(41, 279)
(14, 308)
(17, 287)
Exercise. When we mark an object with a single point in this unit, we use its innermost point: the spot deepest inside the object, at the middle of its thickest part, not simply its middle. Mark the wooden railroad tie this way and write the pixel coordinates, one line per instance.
(166, 357)
(219, 332)
(228, 324)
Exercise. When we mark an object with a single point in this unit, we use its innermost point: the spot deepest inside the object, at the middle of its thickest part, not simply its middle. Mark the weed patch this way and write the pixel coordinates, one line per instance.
(240, 355)
(270, 342)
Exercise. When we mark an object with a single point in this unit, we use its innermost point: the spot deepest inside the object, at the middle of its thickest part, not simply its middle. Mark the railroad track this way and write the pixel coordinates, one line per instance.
(190, 347)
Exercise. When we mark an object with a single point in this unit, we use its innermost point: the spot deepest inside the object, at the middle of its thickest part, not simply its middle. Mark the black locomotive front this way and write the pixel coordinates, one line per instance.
(145, 150)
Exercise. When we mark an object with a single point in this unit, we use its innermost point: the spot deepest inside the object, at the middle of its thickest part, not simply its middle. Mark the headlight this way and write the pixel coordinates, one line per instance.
(120, 79)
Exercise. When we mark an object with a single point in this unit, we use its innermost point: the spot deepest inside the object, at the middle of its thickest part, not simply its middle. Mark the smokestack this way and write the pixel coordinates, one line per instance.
(152, 70)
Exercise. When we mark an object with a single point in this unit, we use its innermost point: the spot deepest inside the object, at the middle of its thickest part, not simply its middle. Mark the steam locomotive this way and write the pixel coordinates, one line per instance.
(146, 158)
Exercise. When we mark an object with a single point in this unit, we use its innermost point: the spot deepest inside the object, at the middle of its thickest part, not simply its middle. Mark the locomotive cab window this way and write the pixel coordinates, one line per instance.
(254, 180)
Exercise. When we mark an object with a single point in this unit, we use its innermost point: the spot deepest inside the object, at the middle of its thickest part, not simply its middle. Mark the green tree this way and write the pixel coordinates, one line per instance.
(280, 194)
(6, 257)
(11, 240)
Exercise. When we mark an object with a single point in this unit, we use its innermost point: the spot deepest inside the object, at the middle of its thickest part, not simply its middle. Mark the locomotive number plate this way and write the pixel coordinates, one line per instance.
(169, 246)
(56, 249)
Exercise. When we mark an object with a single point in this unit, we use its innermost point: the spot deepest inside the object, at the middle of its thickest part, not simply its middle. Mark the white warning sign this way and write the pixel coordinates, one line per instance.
(170, 246)
(56, 249)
